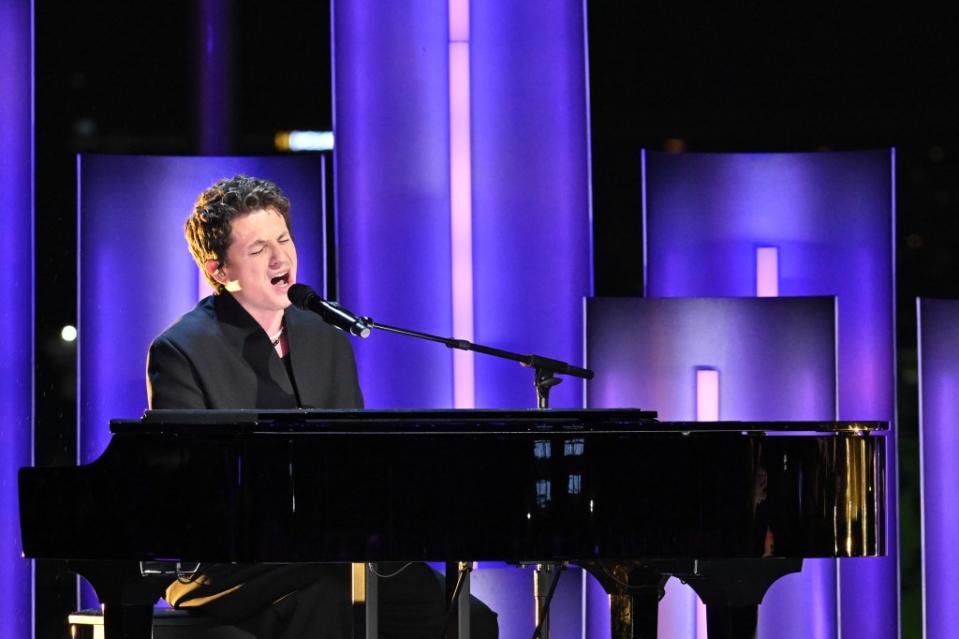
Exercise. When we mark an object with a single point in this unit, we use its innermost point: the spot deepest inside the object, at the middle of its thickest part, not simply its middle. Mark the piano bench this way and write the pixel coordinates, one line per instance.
(167, 624)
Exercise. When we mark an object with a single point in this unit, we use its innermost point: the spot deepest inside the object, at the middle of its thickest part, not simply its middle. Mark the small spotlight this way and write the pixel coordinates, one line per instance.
(68, 333)
(674, 145)
(303, 141)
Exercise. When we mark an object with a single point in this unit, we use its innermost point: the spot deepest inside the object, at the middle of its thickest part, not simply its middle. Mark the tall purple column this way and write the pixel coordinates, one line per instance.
(214, 84)
(530, 192)
(393, 191)
(530, 204)
(938, 322)
(831, 216)
(462, 202)
(16, 304)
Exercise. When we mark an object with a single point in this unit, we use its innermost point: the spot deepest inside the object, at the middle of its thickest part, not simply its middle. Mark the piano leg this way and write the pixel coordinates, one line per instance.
(732, 590)
(633, 616)
(127, 621)
(126, 595)
(731, 622)
(364, 594)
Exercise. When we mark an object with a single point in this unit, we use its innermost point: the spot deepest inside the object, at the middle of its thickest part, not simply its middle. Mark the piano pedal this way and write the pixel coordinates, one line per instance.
(174, 570)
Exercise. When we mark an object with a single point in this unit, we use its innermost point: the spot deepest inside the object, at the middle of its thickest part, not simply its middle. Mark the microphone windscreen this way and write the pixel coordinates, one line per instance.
(300, 294)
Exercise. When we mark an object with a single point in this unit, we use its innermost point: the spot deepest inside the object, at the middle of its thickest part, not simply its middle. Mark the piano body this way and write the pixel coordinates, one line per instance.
(728, 506)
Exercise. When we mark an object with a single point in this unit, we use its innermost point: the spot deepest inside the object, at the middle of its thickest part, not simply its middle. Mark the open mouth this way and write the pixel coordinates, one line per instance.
(280, 280)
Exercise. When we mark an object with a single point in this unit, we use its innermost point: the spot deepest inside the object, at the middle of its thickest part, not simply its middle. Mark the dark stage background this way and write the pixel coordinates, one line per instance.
(120, 77)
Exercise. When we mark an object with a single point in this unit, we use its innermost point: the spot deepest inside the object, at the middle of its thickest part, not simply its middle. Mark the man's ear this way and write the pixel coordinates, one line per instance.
(213, 270)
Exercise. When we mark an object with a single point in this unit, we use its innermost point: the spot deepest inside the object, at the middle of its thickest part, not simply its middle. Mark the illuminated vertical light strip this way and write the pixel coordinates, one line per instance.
(591, 236)
(645, 227)
(707, 410)
(767, 271)
(461, 208)
(937, 322)
(707, 395)
(31, 590)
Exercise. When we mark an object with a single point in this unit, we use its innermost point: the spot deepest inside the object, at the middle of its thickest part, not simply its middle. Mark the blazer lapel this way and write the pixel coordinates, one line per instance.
(305, 355)
(245, 337)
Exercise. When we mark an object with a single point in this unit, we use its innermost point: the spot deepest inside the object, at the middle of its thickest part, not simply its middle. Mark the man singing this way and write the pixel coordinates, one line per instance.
(246, 347)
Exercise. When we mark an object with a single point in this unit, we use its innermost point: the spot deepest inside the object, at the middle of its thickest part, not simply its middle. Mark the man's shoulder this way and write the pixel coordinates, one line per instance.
(195, 326)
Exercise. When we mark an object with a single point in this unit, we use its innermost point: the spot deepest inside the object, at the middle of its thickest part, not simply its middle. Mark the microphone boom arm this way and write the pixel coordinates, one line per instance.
(545, 368)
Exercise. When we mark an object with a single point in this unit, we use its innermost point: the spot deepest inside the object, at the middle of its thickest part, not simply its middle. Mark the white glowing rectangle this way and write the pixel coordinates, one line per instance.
(707, 395)
(767, 271)
(311, 140)
(461, 221)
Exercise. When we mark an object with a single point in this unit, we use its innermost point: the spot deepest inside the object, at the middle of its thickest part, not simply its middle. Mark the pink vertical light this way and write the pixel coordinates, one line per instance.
(707, 410)
(707, 395)
(767, 271)
(461, 201)
(459, 22)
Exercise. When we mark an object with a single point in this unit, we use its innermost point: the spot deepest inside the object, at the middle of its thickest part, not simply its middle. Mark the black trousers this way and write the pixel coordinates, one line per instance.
(312, 601)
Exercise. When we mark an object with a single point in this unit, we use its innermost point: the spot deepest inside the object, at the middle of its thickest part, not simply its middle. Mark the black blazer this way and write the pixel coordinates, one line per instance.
(217, 356)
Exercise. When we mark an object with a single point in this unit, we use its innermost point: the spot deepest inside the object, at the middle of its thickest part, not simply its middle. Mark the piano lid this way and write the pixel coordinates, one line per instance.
(464, 420)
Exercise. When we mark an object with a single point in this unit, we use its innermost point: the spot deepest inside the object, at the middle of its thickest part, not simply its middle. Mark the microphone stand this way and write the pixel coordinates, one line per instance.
(545, 369)
(546, 575)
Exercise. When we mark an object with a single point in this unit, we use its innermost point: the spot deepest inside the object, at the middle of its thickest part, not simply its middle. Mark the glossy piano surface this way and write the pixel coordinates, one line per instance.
(470, 485)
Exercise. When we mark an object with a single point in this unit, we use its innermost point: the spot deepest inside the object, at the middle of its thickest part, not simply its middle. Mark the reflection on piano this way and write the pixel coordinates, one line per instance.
(728, 506)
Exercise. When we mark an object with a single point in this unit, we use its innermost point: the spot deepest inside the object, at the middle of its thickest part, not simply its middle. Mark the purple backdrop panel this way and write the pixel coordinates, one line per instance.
(831, 216)
(531, 215)
(597, 612)
(393, 191)
(16, 304)
(938, 322)
(136, 275)
(776, 359)
(775, 356)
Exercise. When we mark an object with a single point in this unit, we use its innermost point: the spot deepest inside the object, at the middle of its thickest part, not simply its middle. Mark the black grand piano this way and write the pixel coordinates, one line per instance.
(727, 506)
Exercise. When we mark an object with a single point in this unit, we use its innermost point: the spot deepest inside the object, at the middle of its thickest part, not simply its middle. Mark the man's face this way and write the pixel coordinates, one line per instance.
(260, 262)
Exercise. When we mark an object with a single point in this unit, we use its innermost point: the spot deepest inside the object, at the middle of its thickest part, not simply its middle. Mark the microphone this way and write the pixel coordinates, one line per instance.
(302, 296)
